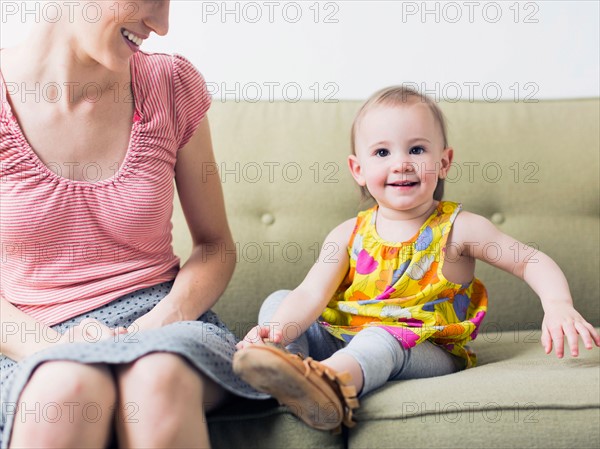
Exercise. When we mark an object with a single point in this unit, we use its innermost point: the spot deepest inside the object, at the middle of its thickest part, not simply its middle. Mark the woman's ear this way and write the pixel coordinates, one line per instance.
(355, 170)
(446, 162)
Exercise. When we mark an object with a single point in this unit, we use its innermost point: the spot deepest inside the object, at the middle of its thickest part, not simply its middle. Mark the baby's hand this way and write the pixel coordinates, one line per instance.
(258, 334)
(561, 320)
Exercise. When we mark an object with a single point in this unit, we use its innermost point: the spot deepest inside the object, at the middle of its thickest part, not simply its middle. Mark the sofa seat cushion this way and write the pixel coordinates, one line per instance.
(517, 396)
(246, 424)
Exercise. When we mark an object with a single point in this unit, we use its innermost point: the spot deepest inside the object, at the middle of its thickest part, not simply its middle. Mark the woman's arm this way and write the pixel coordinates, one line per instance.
(305, 303)
(203, 278)
(477, 237)
(21, 334)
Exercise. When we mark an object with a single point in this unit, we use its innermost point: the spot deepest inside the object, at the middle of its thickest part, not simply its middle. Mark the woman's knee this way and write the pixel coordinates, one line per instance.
(158, 394)
(60, 402)
(159, 376)
(71, 382)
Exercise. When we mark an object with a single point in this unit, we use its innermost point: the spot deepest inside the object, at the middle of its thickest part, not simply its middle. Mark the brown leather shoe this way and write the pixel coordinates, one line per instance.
(313, 392)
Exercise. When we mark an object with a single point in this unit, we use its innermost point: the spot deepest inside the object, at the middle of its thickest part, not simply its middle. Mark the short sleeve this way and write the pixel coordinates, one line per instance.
(192, 99)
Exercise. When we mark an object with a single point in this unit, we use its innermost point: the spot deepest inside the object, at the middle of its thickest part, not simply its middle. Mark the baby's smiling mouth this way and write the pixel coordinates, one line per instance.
(402, 183)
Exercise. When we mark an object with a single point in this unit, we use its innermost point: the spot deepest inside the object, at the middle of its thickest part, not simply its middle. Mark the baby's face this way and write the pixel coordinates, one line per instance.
(400, 155)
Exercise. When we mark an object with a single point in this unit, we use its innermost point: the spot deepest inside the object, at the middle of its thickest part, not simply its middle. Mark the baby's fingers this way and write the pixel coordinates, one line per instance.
(556, 333)
(570, 331)
(588, 334)
(276, 336)
(245, 343)
(242, 344)
(594, 333)
(546, 340)
(254, 336)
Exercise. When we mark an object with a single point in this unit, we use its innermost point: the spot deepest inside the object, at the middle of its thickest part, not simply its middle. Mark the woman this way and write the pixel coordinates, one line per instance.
(95, 309)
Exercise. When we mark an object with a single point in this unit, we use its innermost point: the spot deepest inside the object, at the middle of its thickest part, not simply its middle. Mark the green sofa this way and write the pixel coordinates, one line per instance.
(532, 168)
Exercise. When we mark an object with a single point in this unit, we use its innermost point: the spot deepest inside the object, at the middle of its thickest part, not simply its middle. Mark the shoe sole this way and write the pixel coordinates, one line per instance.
(267, 370)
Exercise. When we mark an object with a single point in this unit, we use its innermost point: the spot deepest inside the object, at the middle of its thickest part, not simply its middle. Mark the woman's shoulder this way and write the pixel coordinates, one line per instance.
(171, 79)
(170, 62)
(154, 70)
(152, 73)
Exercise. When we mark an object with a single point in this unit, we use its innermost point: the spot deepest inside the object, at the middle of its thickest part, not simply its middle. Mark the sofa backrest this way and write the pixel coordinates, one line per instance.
(532, 168)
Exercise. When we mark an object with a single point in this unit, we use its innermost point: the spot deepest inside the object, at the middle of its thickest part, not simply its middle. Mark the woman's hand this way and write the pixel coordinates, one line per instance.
(258, 334)
(90, 331)
(165, 312)
(563, 319)
(145, 322)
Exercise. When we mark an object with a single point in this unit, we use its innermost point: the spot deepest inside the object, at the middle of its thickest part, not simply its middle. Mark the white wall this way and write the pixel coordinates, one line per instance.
(454, 50)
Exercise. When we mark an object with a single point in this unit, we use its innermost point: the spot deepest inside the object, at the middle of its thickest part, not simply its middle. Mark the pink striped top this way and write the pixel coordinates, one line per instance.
(71, 246)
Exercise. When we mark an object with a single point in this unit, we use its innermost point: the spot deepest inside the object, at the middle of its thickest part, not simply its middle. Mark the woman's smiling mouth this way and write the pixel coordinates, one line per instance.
(132, 38)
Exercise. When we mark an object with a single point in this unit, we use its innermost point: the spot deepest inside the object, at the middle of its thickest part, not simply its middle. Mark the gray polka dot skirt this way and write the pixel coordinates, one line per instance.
(206, 343)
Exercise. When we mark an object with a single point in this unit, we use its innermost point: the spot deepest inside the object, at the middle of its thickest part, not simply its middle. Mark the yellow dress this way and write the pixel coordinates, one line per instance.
(400, 287)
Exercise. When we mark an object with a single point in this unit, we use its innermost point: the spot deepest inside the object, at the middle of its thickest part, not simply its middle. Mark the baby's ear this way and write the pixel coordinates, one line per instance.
(447, 156)
(356, 170)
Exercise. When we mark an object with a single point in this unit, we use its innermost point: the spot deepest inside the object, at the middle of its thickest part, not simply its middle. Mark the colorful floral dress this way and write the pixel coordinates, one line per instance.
(400, 287)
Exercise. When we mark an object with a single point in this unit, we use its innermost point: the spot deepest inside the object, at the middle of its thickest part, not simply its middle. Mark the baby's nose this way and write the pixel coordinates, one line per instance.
(404, 166)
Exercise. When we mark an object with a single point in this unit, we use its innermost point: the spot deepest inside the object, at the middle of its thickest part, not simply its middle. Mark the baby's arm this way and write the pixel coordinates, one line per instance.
(304, 304)
(475, 235)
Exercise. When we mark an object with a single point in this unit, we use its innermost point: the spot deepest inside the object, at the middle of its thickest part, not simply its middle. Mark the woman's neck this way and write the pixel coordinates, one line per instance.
(51, 62)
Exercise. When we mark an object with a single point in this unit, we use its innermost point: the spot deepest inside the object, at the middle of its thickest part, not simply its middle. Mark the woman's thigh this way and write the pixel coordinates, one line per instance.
(65, 403)
(163, 377)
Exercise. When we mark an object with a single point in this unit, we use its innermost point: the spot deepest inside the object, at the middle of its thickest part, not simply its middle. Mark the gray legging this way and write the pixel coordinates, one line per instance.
(380, 355)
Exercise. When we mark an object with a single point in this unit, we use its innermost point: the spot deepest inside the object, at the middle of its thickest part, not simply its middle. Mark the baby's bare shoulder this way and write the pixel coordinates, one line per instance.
(469, 227)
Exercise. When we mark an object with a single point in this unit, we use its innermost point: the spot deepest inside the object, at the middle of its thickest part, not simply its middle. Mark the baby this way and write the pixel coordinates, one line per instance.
(398, 299)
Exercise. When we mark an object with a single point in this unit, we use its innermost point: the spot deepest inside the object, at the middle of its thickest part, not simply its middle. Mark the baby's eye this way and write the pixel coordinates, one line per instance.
(417, 150)
(382, 152)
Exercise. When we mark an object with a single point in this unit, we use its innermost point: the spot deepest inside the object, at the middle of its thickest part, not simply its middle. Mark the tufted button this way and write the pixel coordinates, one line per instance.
(497, 218)
(267, 219)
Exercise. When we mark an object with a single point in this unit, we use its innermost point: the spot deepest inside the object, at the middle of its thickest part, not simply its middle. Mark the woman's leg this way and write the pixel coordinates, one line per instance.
(65, 405)
(162, 403)
(374, 356)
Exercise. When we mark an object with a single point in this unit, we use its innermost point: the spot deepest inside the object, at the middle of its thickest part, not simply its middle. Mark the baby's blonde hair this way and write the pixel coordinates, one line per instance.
(398, 96)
